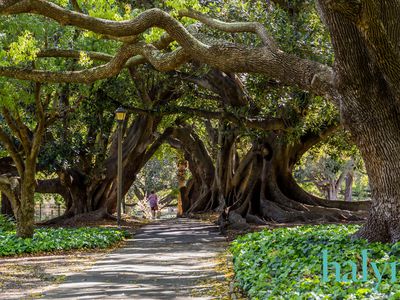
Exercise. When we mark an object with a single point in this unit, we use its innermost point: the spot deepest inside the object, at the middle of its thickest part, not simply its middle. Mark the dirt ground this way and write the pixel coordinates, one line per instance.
(28, 277)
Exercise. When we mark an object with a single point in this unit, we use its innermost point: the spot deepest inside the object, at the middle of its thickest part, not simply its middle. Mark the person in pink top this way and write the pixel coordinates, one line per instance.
(153, 202)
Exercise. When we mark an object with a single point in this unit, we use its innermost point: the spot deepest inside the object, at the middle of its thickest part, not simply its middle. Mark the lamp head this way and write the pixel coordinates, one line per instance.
(120, 114)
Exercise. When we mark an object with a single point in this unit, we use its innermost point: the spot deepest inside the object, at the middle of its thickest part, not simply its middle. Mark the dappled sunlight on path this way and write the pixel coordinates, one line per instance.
(166, 260)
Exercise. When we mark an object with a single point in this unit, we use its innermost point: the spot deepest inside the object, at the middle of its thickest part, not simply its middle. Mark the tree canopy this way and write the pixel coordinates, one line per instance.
(262, 81)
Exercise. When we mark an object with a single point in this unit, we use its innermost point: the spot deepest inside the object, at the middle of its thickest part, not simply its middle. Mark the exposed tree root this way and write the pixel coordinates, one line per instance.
(68, 219)
(295, 191)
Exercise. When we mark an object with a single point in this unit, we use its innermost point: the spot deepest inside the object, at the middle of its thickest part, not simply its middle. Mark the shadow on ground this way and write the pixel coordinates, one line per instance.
(166, 260)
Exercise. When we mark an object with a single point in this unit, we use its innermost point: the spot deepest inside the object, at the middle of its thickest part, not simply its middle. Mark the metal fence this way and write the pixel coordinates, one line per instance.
(46, 211)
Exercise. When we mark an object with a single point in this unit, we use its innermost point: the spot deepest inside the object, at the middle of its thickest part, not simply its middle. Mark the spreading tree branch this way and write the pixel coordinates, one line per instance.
(233, 27)
(68, 53)
(20, 130)
(40, 127)
(312, 138)
(12, 151)
(253, 122)
(112, 68)
(286, 68)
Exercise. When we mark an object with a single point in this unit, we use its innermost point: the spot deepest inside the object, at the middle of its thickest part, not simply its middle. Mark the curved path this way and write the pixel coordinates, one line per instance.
(166, 260)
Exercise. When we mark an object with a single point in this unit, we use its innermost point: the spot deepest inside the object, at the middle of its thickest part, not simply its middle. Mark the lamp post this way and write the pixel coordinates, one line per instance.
(120, 114)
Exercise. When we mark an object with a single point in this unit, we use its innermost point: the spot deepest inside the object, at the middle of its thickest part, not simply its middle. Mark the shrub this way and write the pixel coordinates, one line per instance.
(53, 239)
(6, 223)
(286, 263)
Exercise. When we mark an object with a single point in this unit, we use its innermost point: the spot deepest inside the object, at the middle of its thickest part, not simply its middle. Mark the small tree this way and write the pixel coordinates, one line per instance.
(327, 175)
(23, 144)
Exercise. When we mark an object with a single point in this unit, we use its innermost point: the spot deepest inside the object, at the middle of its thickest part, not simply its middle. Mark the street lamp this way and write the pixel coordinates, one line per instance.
(120, 114)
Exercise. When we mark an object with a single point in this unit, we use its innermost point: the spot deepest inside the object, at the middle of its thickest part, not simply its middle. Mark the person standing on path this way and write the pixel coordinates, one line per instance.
(153, 202)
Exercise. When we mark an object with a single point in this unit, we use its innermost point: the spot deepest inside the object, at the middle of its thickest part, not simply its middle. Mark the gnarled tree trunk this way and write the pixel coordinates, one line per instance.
(382, 161)
(366, 44)
(263, 189)
(93, 196)
(258, 186)
(198, 191)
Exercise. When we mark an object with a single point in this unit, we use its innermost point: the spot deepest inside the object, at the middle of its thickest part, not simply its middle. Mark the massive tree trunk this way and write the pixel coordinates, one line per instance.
(379, 142)
(93, 196)
(135, 154)
(259, 186)
(267, 191)
(366, 44)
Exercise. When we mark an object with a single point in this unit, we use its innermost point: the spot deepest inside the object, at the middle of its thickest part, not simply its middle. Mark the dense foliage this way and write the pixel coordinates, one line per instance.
(6, 223)
(287, 263)
(53, 239)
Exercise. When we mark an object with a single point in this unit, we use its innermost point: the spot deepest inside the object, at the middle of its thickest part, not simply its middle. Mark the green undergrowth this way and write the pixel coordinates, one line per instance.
(6, 223)
(56, 239)
(287, 263)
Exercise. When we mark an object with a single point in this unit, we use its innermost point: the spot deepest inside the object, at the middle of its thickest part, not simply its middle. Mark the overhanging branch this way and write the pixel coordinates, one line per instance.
(286, 68)
(232, 27)
(112, 68)
(254, 122)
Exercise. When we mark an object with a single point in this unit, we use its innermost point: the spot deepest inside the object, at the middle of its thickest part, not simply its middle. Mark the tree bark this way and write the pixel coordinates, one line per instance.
(264, 190)
(198, 190)
(382, 161)
(25, 211)
(24, 206)
(368, 92)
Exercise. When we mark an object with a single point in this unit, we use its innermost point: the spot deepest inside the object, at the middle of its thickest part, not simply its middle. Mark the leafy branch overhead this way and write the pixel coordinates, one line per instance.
(266, 59)
(283, 67)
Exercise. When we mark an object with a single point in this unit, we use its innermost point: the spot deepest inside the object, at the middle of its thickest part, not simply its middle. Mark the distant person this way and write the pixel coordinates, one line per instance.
(153, 202)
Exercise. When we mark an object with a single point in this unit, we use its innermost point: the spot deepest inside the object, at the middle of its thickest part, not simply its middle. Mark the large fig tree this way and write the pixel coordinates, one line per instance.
(363, 81)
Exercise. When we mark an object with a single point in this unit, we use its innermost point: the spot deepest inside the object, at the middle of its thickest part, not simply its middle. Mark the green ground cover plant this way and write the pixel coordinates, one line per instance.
(6, 223)
(56, 239)
(287, 263)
